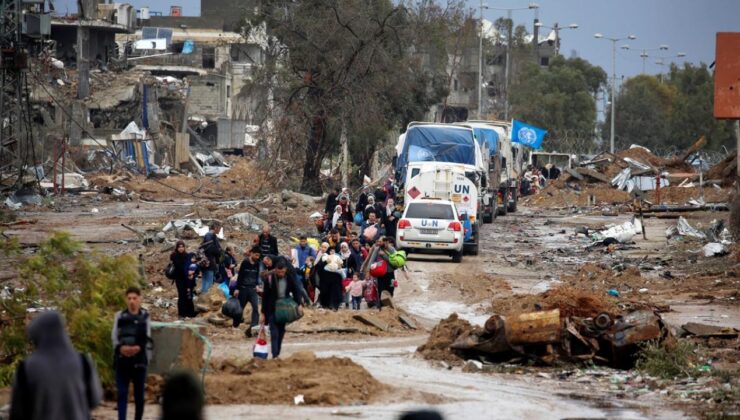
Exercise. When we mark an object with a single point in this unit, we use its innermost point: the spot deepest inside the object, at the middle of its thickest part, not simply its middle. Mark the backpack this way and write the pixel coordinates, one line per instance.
(397, 259)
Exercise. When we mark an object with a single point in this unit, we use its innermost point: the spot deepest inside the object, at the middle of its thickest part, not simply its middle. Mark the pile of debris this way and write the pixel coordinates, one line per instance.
(299, 379)
(638, 173)
(586, 329)
(716, 237)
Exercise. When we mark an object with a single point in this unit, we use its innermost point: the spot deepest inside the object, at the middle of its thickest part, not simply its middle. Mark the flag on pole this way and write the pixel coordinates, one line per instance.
(527, 135)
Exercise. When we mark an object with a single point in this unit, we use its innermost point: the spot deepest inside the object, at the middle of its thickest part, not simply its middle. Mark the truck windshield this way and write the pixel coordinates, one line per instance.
(430, 211)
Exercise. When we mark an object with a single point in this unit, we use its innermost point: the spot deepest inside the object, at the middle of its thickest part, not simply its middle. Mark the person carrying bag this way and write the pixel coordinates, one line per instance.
(280, 304)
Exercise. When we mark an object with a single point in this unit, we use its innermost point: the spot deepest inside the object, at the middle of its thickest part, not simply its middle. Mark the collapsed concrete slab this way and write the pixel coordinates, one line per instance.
(177, 346)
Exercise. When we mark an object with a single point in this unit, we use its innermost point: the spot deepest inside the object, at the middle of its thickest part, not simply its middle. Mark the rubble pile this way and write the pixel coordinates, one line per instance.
(616, 179)
(301, 378)
(569, 300)
(547, 336)
(443, 335)
(588, 328)
(725, 170)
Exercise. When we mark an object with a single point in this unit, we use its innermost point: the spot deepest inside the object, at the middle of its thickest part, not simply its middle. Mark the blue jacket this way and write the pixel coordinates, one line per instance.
(302, 254)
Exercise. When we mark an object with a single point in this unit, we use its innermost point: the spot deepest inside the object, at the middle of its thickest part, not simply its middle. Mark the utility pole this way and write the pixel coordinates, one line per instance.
(507, 71)
(480, 61)
(614, 80)
(614, 98)
(13, 63)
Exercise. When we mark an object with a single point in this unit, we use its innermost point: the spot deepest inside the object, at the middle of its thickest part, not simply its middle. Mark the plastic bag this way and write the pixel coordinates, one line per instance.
(370, 232)
(261, 349)
(232, 308)
(225, 288)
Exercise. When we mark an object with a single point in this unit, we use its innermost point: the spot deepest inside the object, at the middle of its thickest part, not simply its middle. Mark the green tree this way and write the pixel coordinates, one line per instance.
(692, 113)
(643, 108)
(87, 288)
(342, 66)
(559, 98)
(669, 116)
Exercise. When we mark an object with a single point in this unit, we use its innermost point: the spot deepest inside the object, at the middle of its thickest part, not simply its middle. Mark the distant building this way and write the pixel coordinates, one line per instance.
(462, 68)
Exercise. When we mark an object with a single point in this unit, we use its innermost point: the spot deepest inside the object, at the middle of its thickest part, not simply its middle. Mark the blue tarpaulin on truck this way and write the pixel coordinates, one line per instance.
(436, 144)
(489, 136)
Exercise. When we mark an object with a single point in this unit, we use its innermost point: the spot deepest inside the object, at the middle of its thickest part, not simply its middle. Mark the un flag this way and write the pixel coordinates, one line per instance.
(527, 135)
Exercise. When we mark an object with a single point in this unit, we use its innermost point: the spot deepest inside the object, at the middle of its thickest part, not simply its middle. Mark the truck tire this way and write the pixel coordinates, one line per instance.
(504, 206)
(457, 256)
(488, 217)
(512, 204)
(472, 248)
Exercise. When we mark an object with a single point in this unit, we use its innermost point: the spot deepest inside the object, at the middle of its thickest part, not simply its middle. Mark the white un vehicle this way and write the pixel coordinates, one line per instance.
(433, 225)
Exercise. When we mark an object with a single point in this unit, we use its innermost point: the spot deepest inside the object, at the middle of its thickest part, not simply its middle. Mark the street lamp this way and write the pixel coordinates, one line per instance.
(661, 62)
(507, 70)
(557, 30)
(614, 78)
(480, 60)
(644, 53)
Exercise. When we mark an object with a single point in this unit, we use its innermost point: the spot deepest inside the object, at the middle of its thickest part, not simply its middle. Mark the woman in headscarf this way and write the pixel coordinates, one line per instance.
(182, 259)
(55, 381)
(346, 255)
(337, 215)
(370, 208)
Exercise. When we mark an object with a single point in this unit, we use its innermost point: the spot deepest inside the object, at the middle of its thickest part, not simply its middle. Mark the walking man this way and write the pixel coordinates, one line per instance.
(131, 337)
(267, 243)
(247, 282)
(212, 250)
(277, 286)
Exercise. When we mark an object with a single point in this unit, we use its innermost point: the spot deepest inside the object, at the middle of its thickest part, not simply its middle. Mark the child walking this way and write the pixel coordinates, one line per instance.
(355, 289)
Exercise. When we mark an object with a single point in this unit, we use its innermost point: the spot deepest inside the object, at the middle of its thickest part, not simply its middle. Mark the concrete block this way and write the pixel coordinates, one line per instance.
(175, 347)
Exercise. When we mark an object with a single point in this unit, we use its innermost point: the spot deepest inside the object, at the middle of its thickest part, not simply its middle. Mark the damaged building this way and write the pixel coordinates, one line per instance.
(144, 88)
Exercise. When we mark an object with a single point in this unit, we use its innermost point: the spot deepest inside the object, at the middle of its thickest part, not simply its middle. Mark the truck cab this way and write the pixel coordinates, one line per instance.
(442, 161)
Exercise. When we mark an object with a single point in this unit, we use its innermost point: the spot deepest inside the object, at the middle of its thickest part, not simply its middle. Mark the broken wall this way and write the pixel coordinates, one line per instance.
(102, 44)
(208, 96)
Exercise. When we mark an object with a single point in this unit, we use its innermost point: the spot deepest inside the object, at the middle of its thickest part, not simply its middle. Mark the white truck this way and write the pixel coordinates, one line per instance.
(445, 162)
(509, 160)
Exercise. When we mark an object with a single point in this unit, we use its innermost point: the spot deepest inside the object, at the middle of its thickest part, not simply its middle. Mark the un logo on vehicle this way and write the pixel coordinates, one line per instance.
(527, 135)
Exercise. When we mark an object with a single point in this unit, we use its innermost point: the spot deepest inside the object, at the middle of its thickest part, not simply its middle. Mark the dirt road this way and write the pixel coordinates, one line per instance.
(523, 253)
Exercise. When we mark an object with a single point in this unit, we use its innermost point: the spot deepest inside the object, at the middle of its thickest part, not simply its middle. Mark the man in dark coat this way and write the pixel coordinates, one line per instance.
(267, 243)
(331, 201)
(278, 285)
(247, 282)
(362, 200)
(212, 250)
(55, 381)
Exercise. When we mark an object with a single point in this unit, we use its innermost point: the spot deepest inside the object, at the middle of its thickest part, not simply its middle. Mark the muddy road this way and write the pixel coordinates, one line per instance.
(521, 254)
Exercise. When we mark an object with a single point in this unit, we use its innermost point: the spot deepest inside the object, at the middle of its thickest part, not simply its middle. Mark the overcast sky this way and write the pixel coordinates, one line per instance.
(687, 26)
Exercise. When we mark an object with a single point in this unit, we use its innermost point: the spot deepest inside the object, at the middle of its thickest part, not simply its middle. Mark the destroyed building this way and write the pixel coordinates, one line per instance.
(143, 90)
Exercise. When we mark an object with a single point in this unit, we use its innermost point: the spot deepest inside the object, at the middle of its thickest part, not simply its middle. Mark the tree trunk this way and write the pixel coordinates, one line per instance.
(345, 154)
(311, 183)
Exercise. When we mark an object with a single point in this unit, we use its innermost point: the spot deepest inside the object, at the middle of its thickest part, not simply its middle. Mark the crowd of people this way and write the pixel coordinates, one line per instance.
(535, 179)
(351, 259)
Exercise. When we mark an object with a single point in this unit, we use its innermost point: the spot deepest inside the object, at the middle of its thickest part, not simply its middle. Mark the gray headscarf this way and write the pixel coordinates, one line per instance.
(52, 383)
